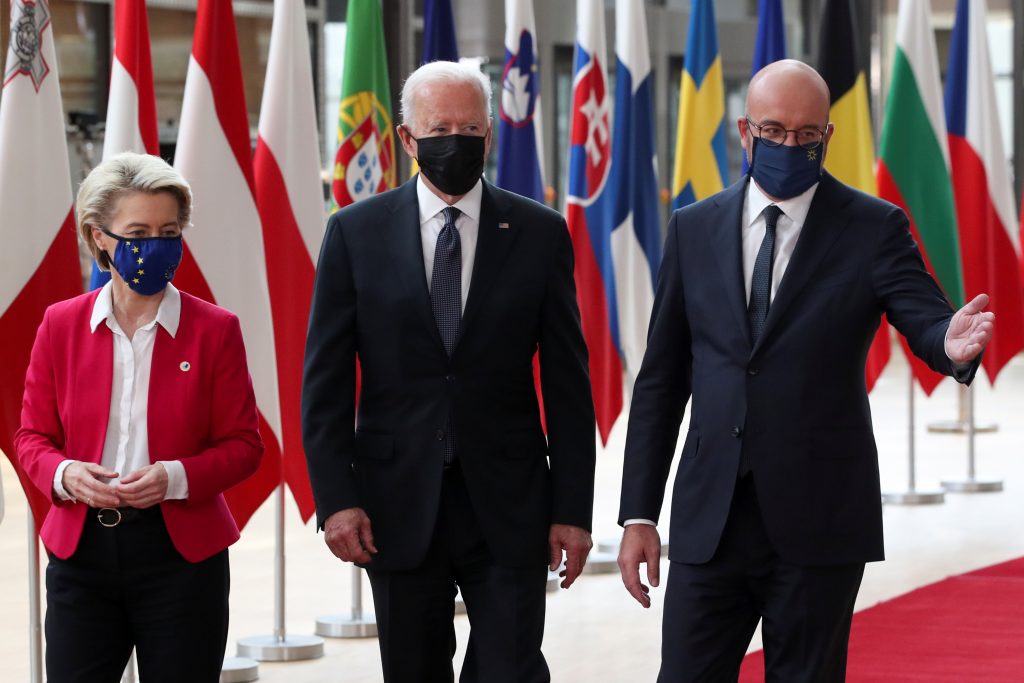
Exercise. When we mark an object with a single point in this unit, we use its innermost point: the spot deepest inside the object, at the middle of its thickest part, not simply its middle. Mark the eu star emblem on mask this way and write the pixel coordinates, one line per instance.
(812, 155)
(28, 22)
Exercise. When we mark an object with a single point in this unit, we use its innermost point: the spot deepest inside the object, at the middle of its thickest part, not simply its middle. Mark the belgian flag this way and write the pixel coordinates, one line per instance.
(851, 153)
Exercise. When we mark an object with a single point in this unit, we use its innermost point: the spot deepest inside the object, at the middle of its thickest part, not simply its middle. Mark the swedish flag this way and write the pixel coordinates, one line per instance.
(700, 168)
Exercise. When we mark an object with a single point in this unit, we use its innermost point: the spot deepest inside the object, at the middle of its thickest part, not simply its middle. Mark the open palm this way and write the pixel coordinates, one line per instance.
(970, 330)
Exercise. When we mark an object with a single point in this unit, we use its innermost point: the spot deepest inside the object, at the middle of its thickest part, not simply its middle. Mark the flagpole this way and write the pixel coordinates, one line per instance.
(358, 624)
(971, 484)
(35, 631)
(280, 647)
(912, 496)
(965, 421)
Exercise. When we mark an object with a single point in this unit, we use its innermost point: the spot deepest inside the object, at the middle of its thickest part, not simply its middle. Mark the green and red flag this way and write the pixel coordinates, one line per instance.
(365, 161)
(914, 169)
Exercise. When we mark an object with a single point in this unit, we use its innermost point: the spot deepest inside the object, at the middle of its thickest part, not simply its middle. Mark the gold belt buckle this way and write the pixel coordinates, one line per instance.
(109, 517)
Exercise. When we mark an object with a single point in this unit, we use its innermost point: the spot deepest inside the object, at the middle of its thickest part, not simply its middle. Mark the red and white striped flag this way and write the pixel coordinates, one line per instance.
(131, 108)
(226, 240)
(289, 195)
(39, 257)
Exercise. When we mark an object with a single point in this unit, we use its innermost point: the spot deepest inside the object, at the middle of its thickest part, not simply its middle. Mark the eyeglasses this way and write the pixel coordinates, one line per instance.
(773, 135)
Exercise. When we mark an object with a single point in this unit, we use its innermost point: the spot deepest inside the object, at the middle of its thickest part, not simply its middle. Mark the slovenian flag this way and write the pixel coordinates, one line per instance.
(633, 211)
(131, 106)
(520, 168)
(986, 211)
(215, 156)
(587, 210)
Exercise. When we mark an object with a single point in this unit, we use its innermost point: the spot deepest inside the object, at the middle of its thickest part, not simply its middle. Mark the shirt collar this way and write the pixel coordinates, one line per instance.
(168, 315)
(431, 204)
(795, 208)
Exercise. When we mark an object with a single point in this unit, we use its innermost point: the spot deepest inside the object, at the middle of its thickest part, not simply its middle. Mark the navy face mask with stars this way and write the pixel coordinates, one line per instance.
(146, 264)
(784, 172)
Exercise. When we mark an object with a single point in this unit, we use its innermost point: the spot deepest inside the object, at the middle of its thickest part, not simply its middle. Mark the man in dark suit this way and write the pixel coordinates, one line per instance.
(769, 295)
(444, 289)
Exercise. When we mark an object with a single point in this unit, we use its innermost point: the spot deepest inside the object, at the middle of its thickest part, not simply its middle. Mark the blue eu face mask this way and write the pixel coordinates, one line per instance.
(146, 264)
(783, 171)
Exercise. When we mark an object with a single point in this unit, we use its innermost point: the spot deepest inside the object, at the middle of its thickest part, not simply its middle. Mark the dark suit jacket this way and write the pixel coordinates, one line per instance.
(371, 300)
(796, 401)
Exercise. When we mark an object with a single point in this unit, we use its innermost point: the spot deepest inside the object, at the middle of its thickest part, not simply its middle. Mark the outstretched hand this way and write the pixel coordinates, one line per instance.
(969, 331)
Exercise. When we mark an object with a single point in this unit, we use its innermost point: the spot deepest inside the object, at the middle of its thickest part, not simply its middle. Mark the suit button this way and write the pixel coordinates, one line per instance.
(449, 378)
(439, 435)
(752, 371)
(736, 431)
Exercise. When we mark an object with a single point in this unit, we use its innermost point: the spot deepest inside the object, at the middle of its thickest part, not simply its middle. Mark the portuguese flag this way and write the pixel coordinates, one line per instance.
(851, 154)
(365, 161)
(914, 170)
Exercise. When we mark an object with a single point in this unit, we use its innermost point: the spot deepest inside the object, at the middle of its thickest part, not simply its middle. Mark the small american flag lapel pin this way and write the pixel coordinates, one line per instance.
(502, 226)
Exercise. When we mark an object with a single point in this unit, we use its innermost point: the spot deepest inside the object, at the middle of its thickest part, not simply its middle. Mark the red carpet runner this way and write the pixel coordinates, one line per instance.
(964, 629)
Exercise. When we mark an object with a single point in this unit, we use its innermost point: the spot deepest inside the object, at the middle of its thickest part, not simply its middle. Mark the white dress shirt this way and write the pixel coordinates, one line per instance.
(787, 232)
(467, 224)
(126, 447)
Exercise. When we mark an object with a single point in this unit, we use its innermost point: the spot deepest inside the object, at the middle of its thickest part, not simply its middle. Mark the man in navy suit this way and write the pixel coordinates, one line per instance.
(769, 295)
(445, 289)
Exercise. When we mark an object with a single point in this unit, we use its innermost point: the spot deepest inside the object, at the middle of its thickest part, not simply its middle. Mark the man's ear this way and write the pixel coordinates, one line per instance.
(407, 140)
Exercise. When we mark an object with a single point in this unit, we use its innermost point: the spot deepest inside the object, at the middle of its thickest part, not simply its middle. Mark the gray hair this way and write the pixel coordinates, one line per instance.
(450, 72)
(123, 174)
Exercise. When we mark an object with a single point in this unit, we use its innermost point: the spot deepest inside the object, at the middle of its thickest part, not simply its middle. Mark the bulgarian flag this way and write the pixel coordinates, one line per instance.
(851, 157)
(226, 242)
(289, 196)
(365, 161)
(131, 106)
(39, 258)
(914, 168)
(986, 211)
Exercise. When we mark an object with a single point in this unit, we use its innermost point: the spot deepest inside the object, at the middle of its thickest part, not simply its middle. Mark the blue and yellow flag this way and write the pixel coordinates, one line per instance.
(700, 168)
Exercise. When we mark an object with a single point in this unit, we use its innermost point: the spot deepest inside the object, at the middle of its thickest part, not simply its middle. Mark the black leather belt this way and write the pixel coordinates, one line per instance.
(111, 517)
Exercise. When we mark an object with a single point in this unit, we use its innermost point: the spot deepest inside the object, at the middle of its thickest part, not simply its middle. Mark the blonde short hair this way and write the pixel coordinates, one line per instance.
(442, 71)
(120, 175)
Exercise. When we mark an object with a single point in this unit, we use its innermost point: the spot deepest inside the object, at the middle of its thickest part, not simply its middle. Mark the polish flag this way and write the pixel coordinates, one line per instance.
(227, 264)
(39, 258)
(289, 195)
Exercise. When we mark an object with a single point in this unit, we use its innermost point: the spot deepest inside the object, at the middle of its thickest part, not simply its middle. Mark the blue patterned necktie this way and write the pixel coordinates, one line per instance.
(761, 281)
(446, 299)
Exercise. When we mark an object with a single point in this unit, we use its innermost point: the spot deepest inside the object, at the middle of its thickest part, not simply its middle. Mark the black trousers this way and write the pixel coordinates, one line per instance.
(128, 587)
(415, 609)
(712, 609)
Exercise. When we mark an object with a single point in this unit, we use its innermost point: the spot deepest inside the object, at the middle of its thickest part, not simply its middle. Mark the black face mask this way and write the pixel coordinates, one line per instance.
(453, 163)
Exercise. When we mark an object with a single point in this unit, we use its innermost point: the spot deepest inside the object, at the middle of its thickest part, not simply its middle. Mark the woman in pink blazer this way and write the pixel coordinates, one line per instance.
(138, 414)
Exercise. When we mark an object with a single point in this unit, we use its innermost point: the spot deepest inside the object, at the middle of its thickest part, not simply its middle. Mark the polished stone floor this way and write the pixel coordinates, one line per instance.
(595, 631)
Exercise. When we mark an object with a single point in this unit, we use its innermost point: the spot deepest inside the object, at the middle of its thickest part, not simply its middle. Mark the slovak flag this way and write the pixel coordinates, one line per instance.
(226, 239)
(587, 210)
(633, 209)
(39, 257)
(289, 195)
(986, 211)
(520, 168)
(131, 106)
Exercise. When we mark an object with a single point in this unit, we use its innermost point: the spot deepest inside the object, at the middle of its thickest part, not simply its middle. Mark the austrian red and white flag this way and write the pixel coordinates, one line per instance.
(289, 195)
(227, 264)
(131, 107)
(39, 257)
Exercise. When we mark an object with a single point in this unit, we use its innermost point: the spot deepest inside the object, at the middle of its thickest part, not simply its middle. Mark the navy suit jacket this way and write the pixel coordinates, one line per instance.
(371, 300)
(796, 401)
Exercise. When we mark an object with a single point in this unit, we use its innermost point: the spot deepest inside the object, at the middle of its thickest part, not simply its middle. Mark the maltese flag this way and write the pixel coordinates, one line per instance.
(226, 241)
(289, 196)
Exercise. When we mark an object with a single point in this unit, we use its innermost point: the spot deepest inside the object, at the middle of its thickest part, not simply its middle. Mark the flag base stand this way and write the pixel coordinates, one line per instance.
(972, 486)
(960, 427)
(337, 626)
(281, 648)
(914, 498)
(239, 670)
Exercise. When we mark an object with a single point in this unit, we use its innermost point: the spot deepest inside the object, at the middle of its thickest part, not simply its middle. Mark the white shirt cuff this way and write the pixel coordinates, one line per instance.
(177, 482)
(638, 521)
(58, 483)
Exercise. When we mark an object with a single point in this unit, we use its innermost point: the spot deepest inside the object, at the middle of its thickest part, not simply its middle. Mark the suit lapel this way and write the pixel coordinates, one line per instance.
(492, 248)
(407, 245)
(95, 378)
(823, 226)
(726, 230)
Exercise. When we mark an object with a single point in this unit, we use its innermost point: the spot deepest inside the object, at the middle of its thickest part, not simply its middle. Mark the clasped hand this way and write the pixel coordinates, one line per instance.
(143, 488)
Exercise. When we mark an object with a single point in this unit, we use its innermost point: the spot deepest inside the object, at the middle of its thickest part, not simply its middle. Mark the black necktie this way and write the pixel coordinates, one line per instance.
(761, 281)
(446, 300)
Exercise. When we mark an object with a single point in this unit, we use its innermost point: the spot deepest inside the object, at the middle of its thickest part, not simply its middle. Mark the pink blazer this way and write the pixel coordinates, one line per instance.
(202, 411)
